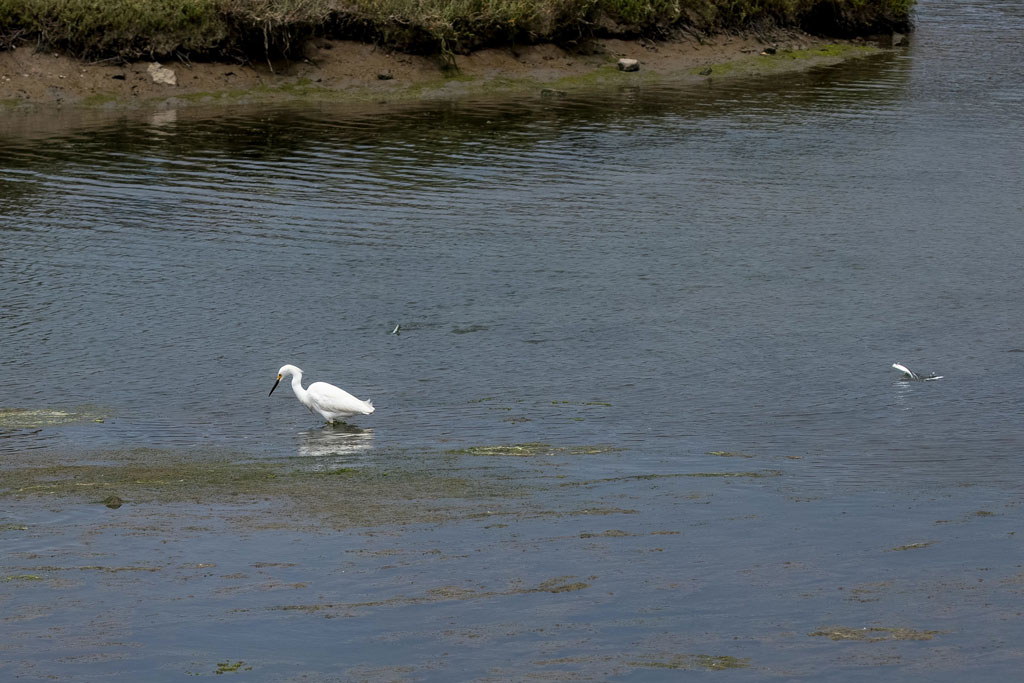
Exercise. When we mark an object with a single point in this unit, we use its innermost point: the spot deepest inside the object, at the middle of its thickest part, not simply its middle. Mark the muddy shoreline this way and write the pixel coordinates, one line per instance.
(360, 73)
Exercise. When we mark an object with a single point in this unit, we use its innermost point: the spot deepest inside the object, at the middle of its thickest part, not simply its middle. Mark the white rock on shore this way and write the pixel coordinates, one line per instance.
(161, 75)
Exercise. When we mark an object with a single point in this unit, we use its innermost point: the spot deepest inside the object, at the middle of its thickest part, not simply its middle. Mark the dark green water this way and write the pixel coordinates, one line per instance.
(661, 272)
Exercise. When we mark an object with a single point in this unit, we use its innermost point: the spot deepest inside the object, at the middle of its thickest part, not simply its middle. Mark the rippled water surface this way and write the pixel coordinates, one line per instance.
(662, 272)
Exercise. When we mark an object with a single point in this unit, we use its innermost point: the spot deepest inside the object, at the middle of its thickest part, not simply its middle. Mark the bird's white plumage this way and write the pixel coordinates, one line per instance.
(330, 401)
(907, 372)
(910, 374)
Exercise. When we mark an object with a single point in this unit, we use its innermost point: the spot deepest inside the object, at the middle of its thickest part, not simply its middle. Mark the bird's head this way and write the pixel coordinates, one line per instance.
(285, 370)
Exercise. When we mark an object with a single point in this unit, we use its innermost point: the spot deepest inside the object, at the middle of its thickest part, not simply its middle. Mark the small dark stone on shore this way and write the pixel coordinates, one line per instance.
(113, 502)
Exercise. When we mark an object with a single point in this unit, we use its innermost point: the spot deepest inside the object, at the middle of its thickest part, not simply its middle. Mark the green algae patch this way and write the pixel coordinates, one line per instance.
(21, 577)
(874, 634)
(531, 449)
(910, 546)
(400, 490)
(100, 100)
(230, 667)
(602, 76)
(869, 592)
(164, 481)
(562, 584)
(39, 418)
(610, 533)
(687, 662)
(786, 60)
(760, 474)
(304, 90)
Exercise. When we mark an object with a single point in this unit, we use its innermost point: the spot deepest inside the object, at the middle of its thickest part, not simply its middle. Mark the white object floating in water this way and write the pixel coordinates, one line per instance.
(328, 400)
(911, 375)
(398, 327)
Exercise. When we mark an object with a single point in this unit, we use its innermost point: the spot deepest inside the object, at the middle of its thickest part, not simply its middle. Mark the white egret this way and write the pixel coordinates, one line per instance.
(910, 374)
(328, 400)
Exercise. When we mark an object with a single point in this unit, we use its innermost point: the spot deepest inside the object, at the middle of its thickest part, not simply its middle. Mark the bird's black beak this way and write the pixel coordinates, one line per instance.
(275, 385)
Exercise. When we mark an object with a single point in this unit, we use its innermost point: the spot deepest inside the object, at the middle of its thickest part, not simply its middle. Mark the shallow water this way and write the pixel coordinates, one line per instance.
(662, 270)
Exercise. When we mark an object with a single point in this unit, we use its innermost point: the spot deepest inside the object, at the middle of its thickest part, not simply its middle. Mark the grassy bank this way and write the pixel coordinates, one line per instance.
(240, 29)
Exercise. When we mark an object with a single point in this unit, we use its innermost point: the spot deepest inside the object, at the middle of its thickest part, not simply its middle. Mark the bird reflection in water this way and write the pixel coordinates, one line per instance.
(338, 446)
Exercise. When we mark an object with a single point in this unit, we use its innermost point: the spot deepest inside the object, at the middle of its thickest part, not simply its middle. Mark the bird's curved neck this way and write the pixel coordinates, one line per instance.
(300, 393)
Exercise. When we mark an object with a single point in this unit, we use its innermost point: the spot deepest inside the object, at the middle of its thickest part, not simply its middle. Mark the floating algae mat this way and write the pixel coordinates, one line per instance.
(874, 634)
(37, 418)
(405, 491)
(526, 450)
(693, 662)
